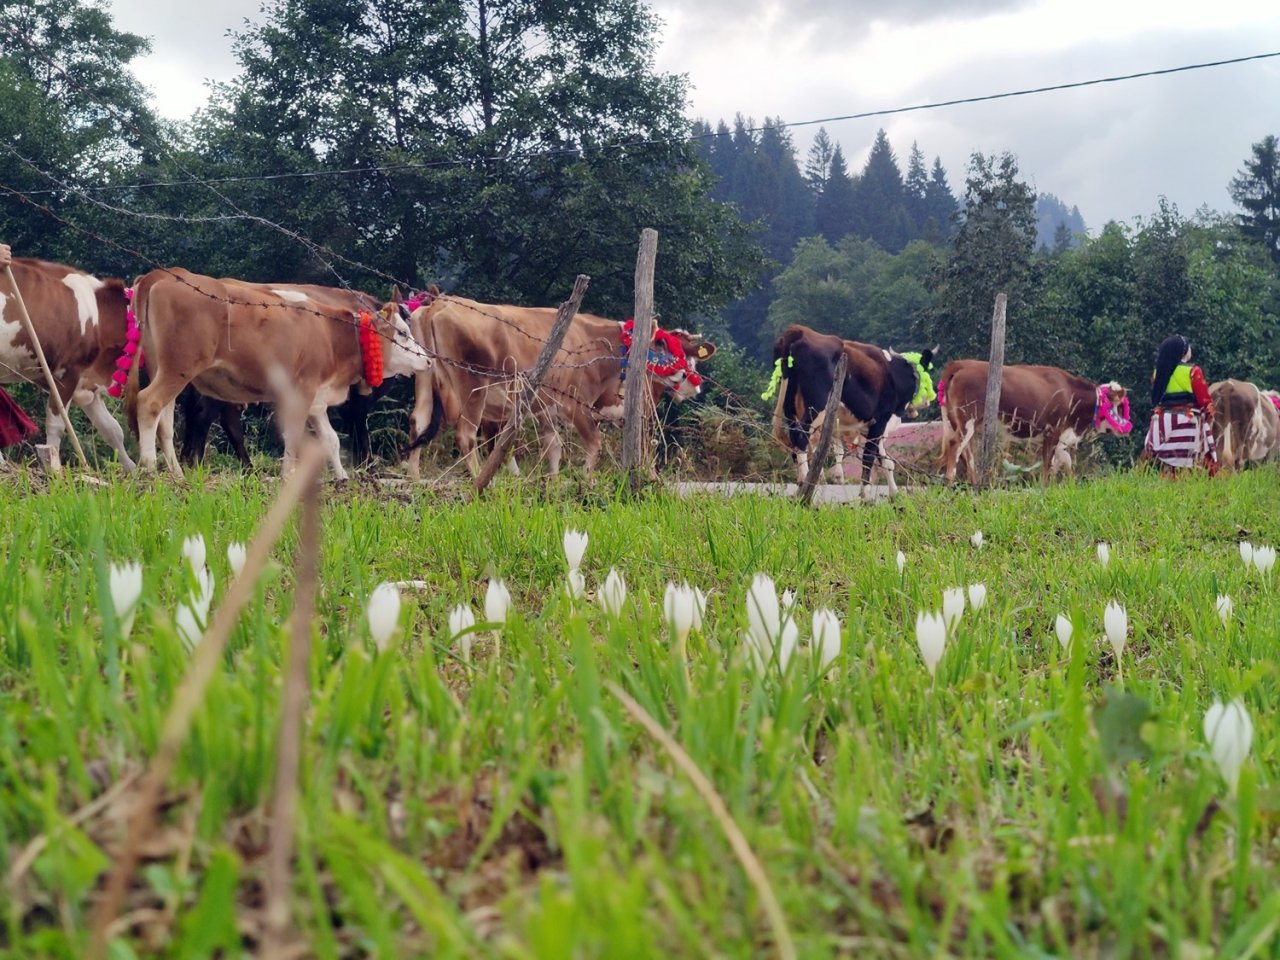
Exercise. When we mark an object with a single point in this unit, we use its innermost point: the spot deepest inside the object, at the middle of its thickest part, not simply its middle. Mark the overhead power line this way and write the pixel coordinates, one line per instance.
(691, 138)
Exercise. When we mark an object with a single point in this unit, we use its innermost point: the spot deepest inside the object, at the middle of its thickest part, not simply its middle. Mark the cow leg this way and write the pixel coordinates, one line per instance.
(90, 401)
(155, 416)
(320, 422)
(465, 434)
(197, 418)
(166, 432)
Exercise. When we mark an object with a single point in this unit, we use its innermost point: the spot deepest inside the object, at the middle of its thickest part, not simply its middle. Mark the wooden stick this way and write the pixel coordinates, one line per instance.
(635, 448)
(292, 714)
(55, 397)
(733, 833)
(205, 662)
(524, 400)
(830, 416)
(991, 409)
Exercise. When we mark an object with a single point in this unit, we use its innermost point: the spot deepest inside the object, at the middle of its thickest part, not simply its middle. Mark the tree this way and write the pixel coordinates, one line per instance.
(915, 189)
(496, 146)
(72, 109)
(835, 208)
(939, 206)
(1257, 189)
(993, 252)
(817, 165)
(881, 205)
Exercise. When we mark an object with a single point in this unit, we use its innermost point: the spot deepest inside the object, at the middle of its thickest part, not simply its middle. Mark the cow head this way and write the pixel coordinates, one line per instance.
(672, 360)
(1111, 412)
(402, 355)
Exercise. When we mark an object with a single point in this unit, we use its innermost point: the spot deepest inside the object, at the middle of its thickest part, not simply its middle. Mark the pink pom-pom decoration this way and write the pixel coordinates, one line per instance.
(124, 363)
(131, 348)
(128, 293)
(120, 377)
(133, 336)
(114, 390)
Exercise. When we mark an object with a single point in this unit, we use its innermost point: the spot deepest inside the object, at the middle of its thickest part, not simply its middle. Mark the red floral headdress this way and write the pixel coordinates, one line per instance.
(666, 342)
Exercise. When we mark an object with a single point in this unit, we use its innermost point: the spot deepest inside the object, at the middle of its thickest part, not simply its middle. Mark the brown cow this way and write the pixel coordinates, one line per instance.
(878, 386)
(1046, 402)
(80, 321)
(1246, 424)
(233, 340)
(479, 347)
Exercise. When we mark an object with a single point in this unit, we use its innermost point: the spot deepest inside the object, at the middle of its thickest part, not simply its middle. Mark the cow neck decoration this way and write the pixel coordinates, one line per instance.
(665, 362)
(132, 348)
(1275, 400)
(1105, 412)
(370, 350)
(924, 383)
(775, 379)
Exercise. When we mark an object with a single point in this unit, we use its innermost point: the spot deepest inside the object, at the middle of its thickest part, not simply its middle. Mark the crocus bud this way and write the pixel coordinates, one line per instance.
(193, 549)
(1116, 623)
(236, 555)
(952, 606)
(497, 600)
(125, 580)
(1062, 626)
(1230, 734)
(679, 607)
(383, 611)
(1104, 554)
(977, 595)
(931, 637)
(826, 638)
(976, 539)
(461, 620)
(575, 584)
(1225, 608)
(575, 546)
(612, 593)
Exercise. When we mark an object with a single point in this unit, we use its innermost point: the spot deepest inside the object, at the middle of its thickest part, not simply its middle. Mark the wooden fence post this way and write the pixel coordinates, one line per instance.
(55, 398)
(524, 398)
(830, 415)
(988, 461)
(635, 446)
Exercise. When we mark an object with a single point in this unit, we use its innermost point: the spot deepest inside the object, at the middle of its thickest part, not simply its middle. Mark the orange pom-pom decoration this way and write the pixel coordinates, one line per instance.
(370, 349)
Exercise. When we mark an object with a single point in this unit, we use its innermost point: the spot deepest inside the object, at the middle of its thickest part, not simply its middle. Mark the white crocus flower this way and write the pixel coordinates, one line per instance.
(1264, 558)
(383, 613)
(613, 593)
(497, 600)
(1062, 626)
(125, 580)
(1116, 623)
(1104, 554)
(769, 635)
(679, 606)
(461, 620)
(193, 617)
(788, 603)
(931, 636)
(977, 595)
(194, 550)
(952, 606)
(236, 556)
(902, 561)
(976, 539)
(699, 608)
(826, 638)
(575, 546)
(575, 584)
(1225, 608)
(1246, 552)
(1229, 731)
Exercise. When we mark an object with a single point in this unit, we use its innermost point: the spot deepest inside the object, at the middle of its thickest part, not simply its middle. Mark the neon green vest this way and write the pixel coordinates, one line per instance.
(1179, 389)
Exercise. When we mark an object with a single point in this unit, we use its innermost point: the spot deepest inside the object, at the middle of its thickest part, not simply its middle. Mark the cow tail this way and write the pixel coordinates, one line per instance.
(433, 424)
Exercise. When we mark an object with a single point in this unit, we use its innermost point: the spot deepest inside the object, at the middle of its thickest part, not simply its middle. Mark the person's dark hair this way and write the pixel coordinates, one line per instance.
(1168, 357)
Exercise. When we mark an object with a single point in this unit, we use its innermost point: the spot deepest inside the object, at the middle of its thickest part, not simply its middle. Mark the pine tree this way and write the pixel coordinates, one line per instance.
(817, 166)
(916, 189)
(881, 205)
(940, 206)
(835, 209)
(1257, 189)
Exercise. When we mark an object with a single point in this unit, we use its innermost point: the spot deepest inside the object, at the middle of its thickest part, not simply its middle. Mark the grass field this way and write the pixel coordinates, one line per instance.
(1016, 804)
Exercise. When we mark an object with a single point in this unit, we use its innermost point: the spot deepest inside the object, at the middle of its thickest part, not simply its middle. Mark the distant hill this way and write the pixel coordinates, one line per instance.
(1052, 216)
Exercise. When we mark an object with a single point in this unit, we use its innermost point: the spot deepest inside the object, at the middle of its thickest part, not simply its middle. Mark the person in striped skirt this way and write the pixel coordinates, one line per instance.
(1181, 431)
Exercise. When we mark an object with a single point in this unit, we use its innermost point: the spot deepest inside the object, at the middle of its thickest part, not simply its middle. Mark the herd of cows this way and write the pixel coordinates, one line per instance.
(214, 345)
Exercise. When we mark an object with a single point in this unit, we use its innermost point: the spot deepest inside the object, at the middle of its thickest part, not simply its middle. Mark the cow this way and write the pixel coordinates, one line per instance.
(232, 340)
(80, 322)
(1048, 403)
(200, 412)
(479, 349)
(1246, 424)
(879, 384)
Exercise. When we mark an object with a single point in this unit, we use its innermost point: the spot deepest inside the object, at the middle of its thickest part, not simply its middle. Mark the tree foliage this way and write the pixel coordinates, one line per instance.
(1257, 189)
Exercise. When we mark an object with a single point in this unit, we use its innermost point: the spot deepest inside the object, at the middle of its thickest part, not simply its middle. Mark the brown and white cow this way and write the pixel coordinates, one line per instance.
(233, 340)
(1048, 403)
(80, 321)
(479, 348)
(878, 385)
(1246, 423)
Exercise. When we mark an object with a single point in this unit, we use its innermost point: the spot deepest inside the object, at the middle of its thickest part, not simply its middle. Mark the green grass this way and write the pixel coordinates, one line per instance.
(511, 807)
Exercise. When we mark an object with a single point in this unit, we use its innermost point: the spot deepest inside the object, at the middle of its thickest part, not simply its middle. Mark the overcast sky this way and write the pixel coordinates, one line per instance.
(1112, 150)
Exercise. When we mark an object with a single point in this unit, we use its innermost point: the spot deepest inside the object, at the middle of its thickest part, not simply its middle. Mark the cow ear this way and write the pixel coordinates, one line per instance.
(395, 294)
(703, 350)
